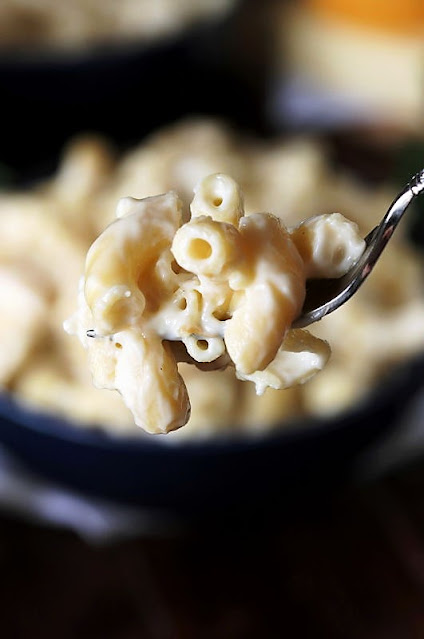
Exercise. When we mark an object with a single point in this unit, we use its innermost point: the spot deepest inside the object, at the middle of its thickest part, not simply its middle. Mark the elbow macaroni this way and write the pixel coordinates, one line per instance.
(220, 289)
(329, 245)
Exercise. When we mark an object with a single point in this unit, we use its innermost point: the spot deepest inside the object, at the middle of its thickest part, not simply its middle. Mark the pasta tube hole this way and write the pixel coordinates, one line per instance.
(182, 304)
(175, 267)
(222, 315)
(204, 349)
(199, 249)
(217, 201)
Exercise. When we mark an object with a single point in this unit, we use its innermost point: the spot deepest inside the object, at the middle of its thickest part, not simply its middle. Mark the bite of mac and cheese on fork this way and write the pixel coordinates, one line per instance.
(219, 289)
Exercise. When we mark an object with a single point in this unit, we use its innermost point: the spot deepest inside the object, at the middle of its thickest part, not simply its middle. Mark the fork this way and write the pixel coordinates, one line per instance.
(323, 296)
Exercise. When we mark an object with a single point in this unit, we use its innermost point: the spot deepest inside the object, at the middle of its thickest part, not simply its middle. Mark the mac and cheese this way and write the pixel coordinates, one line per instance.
(225, 285)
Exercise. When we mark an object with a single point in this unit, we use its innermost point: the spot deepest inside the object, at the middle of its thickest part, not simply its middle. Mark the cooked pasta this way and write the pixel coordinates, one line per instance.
(230, 296)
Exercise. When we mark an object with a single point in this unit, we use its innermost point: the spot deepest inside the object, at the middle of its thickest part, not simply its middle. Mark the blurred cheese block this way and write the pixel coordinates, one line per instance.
(368, 54)
(397, 16)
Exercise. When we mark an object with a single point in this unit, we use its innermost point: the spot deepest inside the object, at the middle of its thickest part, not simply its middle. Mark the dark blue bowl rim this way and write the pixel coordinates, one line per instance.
(403, 380)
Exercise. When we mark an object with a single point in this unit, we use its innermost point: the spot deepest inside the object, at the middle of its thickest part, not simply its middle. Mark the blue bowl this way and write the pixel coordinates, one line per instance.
(203, 476)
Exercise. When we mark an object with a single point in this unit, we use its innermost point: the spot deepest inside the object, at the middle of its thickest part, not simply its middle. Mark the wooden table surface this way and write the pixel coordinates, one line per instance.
(351, 566)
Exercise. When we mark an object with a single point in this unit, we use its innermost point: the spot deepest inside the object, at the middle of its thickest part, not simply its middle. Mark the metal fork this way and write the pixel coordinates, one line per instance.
(324, 296)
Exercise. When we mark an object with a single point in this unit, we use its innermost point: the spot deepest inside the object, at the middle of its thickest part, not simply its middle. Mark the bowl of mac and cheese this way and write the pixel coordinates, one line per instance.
(113, 67)
(235, 444)
(65, 27)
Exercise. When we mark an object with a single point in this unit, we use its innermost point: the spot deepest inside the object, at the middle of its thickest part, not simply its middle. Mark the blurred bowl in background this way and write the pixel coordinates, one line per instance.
(63, 28)
(124, 88)
(222, 473)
